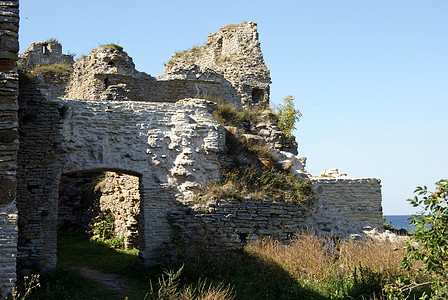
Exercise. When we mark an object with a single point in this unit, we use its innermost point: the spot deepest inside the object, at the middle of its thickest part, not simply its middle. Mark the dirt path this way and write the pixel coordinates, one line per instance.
(108, 281)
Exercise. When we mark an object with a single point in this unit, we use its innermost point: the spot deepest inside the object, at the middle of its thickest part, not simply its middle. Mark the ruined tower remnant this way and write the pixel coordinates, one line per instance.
(233, 51)
(45, 53)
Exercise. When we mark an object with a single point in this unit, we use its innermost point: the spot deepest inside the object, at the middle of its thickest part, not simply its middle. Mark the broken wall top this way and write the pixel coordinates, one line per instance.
(233, 51)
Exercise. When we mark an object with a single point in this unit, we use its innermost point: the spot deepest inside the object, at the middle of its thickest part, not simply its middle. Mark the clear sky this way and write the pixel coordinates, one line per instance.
(370, 77)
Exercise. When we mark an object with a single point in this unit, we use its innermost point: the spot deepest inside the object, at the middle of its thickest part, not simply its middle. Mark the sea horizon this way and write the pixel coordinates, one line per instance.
(399, 221)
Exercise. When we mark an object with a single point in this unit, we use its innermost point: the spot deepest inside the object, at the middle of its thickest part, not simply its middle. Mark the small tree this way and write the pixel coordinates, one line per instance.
(287, 115)
(430, 246)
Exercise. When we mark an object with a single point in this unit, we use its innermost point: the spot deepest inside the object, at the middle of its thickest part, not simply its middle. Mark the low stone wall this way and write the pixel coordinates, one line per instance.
(230, 224)
(346, 205)
(342, 207)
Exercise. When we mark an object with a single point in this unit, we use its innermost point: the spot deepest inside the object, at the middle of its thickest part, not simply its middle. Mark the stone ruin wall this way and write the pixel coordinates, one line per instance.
(234, 52)
(83, 195)
(78, 200)
(38, 178)
(109, 74)
(44, 53)
(120, 194)
(172, 148)
(9, 141)
(346, 205)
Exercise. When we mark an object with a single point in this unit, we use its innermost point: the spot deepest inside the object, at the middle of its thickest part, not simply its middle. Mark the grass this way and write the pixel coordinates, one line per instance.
(52, 41)
(230, 116)
(231, 26)
(258, 184)
(309, 267)
(54, 68)
(111, 47)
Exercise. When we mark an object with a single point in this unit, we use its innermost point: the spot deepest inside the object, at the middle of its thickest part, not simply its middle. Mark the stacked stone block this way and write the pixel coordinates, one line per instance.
(38, 176)
(346, 205)
(9, 142)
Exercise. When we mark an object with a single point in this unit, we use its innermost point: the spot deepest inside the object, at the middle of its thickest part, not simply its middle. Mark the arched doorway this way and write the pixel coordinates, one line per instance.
(87, 199)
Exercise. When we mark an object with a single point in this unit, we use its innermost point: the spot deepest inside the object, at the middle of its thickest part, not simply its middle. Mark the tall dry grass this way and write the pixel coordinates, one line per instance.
(328, 263)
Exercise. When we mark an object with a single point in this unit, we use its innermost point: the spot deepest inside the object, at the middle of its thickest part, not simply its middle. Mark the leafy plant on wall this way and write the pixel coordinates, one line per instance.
(287, 115)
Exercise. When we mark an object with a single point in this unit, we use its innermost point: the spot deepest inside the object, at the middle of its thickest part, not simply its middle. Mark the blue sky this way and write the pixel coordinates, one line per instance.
(370, 77)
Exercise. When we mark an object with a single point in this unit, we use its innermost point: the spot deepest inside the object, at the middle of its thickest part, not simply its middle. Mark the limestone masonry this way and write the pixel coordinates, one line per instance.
(106, 137)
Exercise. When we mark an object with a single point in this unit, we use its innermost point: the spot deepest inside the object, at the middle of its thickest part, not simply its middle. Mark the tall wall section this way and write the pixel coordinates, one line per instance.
(9, 141)
(38, 179)
(234, 52)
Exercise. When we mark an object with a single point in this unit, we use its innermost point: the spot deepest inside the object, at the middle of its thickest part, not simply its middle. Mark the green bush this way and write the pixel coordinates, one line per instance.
(429, 247)
(287, 115)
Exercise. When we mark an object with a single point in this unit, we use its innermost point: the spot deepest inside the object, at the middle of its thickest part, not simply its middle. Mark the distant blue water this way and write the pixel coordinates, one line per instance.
(400, 221)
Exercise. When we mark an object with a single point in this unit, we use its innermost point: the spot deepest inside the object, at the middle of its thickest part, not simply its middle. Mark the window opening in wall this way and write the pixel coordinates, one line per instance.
(219, 46)
(45, 50)
(257, 95)
(106, 82)
(99, 208)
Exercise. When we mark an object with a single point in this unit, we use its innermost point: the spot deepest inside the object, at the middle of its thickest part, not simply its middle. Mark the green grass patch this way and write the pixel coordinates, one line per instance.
(77, 250)
(54, 68)
(53, 41)
(111, 47)
(258, 184)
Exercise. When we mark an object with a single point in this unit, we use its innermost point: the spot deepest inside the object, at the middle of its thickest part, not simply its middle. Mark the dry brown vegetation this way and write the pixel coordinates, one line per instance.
(335, 268)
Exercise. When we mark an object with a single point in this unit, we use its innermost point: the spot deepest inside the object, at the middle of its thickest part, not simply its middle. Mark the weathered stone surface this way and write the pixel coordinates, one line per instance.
(9, 46)
(120, 195)
(233, 51)
(346, 205)
(44, 53)
(8, 187)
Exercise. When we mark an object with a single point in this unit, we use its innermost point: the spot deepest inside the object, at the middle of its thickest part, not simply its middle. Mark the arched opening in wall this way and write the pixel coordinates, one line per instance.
(257, 96)
(104, 205)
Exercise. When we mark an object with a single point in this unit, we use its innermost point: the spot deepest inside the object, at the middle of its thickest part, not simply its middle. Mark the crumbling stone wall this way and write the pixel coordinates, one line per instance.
(229, 224)
(44, 53)
(343, 207)
(233, 51)
(120, 195)
(173, 147)
(38, 176)
(78, 200)
(346, 205)
(108, 73)
(132, 123)
(9, 142)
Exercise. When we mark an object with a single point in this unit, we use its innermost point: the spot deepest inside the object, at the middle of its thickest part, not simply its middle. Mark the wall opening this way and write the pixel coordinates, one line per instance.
(45, 49)
(87, 198)
(257, 95)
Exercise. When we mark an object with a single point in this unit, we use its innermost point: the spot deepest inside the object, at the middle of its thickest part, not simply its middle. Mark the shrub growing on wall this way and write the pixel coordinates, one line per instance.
(287, 115)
